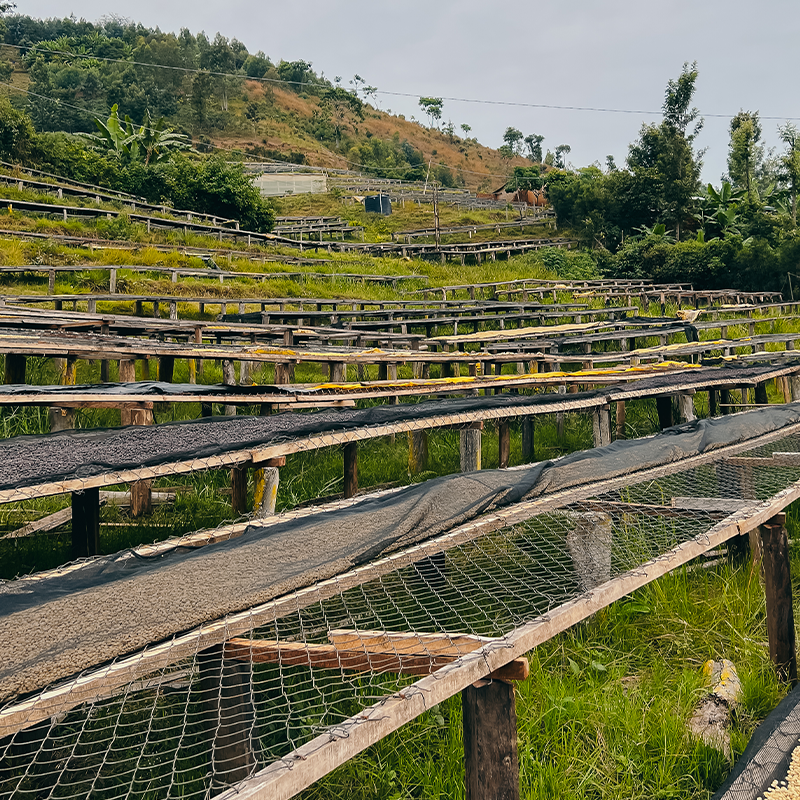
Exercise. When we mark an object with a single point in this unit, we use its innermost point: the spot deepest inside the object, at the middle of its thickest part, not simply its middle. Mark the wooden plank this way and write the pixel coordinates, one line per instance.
(407, 660)
(48, 523)
(504, 444)
(709, 504)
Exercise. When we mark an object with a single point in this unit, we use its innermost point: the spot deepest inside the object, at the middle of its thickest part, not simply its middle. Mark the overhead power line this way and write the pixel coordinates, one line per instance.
(388, 92)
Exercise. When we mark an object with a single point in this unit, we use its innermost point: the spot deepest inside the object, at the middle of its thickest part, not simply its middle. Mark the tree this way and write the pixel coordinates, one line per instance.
(449, 130)
(561, 151)
(745, 153)
(17, 135)
(432, 106)
(151, 142)
(790, 163)
(664, 158)
(534, 143)
(341, 105)
(201, 91)
(465, 128)
(512, 137)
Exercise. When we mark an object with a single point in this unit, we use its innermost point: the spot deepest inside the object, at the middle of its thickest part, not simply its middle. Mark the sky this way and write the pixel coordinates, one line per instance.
(600, 54)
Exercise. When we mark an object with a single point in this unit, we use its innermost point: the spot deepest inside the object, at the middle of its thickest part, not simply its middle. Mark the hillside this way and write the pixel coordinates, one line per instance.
(224, 97)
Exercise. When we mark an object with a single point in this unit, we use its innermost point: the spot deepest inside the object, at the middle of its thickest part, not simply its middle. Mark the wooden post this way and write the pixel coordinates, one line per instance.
(713, 403)
(337, 371)
(621, 411)
(778, 588)
(491, 761)
(470, 447)
(528, 443)
(664, 408)
(226, 697)
(417, 451)
(794, 385)
(761, 394)
(265, 490)
(15, 369)
(686, 408)
(504, 436)
(141, 499)
(350, 469)
(62, 419)
(725, 401)
(86, 523)
(239, 489)
(166, 368)
(229, 379)
(601, 426)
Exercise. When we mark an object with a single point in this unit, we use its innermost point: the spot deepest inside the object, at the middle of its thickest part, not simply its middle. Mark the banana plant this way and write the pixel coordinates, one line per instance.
(151, 142)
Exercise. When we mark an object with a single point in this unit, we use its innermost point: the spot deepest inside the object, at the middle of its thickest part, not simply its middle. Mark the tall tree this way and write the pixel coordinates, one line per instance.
(664, 157)
(534, 143)
(561, 151)
(790, 163)
(513, 137)
(745, 152)
(432, 106)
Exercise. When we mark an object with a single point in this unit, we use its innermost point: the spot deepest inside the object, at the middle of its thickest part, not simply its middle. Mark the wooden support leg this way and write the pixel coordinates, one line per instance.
(686, 408)
(664, 408)
(778, 588)
(206, 409)
(528, 448)
(239, 490)
(62, 419)
(621, 410)
(226, 696)
(417, 451)
(350, 469)
(725, 401)
(15, 369)
(229, 379)
(337, 371)
(601, 426)
(86, 523)
(105, 374)
(504, 436)
(761, 394)
(470, 447)
(491, 761)
(265, 493)
(166, 368)
(794, 386)
(713, 403)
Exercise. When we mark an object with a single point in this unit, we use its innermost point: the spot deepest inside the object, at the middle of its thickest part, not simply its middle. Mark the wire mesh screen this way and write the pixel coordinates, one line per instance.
(211, 719)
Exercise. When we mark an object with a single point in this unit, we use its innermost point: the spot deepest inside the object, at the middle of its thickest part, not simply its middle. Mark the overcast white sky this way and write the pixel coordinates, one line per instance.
(614, 54)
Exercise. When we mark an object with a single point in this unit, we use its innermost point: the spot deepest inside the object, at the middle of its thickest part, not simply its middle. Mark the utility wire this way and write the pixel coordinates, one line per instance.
(255, 159)
(387, 92)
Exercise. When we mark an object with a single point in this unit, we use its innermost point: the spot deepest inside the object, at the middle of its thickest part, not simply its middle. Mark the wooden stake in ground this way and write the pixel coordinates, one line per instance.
(491, 761)
(778, 588)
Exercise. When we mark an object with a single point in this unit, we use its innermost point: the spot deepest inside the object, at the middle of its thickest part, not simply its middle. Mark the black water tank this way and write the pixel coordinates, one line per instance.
(379, 203)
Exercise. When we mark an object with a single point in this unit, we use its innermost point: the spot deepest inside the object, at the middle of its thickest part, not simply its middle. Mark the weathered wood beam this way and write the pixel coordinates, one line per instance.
(350, 469)
(357, 658)
(778, 590)
(86, 523)
(491, 760)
